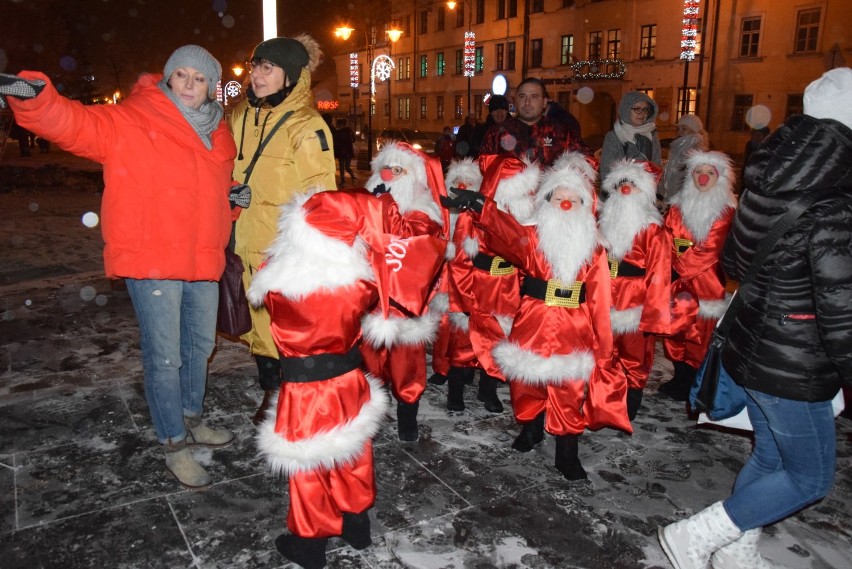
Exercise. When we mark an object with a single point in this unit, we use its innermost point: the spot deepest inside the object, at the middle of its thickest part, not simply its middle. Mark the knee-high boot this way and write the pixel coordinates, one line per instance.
(531, 434)
(356, 530)
(488, 393)
(634, 401)
(406, 416)
(680, 384)
(457, 378)
(568, 457)
(269, 376)
(307, 552)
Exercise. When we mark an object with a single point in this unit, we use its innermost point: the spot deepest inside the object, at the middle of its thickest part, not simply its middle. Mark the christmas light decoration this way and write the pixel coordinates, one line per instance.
(689, 32)
(381, 70)
(469, 54)
(354, 77)
(598, 69)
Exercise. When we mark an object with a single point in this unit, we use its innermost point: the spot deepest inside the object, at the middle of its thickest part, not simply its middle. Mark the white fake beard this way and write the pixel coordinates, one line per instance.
(521, 208)
(622, 218)
(701, 209)
(566, 238)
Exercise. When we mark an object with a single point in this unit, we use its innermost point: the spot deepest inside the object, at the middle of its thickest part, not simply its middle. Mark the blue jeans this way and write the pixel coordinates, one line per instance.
(177, 328)
(791, 465)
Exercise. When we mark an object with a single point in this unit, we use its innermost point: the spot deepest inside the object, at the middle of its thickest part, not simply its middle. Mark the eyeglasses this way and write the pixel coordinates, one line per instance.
(641, 110)
(395, 170)
(262, 66)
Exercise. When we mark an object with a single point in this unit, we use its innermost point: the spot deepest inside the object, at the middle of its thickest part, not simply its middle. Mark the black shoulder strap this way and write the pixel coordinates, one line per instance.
(796, 209)
(263, 144)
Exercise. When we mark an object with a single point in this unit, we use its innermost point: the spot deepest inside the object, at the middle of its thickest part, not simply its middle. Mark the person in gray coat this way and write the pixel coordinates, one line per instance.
(634, 135)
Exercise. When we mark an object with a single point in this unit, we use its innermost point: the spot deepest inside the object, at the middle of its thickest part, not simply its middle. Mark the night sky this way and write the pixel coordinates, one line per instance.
(98, 46)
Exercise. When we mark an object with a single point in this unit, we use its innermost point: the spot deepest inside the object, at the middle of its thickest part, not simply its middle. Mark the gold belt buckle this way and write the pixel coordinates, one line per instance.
(613, 267)
(501, 267)
(681, 245)
(571, 300)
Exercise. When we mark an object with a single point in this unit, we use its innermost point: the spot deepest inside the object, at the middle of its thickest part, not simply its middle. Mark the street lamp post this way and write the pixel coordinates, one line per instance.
(469, 47)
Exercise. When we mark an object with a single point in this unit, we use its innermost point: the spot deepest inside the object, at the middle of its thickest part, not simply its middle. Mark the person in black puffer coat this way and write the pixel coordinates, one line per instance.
(791, 342)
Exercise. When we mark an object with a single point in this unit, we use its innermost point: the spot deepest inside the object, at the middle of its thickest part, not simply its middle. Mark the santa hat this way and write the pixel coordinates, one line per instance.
(568, 174)
(586, 165)
(511, 182)
(829, 96)
(643, 176)
(465, 171)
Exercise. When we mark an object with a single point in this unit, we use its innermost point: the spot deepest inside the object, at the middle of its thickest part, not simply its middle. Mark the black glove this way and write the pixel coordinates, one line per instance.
(240, 195)
(468, 199)
(14, 86)
(380, 189)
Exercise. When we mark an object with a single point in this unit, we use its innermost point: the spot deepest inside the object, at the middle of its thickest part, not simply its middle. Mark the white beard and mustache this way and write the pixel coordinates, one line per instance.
(411, 195)
(567, 239)
(622, 218)
(701, 209)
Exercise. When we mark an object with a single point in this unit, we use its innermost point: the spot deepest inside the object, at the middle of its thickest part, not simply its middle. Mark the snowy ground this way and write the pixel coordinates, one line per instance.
(82, 482)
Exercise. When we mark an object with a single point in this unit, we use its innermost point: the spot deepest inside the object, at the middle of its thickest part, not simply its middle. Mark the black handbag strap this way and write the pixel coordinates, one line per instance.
(263, 144)
(795, 210)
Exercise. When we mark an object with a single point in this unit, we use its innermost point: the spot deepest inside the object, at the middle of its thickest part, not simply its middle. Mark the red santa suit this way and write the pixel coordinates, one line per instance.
(331, 263)
(558, 356)
(699, 223)
(396, 342)
(639, 253)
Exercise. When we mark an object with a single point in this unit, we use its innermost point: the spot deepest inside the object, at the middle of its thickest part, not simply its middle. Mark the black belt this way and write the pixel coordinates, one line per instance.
(319, 367)
(496, 266)
(624, 269)
(554, 293)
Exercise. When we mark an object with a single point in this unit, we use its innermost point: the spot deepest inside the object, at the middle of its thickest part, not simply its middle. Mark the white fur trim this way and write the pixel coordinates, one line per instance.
(460, 321)
(450, 251)
(471, 247)
(530, 368)
(565, 178)
(505, 321)
(386, 332)
(632, 173)
(516, 195)
(713, 309)
(303, 259)
(625, 321)
(440, 303)
(341, 445)
(465, 171)
(577, 162)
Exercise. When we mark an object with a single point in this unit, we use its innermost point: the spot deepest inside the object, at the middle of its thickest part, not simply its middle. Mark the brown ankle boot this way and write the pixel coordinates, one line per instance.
(260, 416)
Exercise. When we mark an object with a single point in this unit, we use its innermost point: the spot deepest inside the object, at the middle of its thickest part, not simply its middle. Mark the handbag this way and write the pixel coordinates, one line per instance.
(234, 316)
(715, 393)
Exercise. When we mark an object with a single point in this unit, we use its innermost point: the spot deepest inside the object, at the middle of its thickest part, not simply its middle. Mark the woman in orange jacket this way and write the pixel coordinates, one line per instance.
(167, 159)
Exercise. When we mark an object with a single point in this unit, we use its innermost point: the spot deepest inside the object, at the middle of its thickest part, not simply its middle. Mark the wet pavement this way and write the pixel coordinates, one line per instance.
(83, 484)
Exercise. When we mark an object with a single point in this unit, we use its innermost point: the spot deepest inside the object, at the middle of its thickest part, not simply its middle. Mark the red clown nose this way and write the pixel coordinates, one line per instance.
(461, 186)
(566, 205)
(626, 189)
(386, 174)
(703, 179)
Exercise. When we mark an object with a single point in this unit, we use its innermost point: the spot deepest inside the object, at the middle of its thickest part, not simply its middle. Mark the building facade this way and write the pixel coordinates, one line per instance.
(752, 60)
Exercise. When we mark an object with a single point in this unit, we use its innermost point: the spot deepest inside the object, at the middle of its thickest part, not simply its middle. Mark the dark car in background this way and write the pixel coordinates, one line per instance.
(421, 140)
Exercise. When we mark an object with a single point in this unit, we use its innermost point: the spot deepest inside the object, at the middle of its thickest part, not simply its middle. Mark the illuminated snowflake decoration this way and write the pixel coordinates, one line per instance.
(381, 70)
(233, 89)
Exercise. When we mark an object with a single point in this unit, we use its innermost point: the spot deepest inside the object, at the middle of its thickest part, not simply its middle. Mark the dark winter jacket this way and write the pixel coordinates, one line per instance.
(808, 275)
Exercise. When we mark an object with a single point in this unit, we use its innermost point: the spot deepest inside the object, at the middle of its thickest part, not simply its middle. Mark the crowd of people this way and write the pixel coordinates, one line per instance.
(521, 257)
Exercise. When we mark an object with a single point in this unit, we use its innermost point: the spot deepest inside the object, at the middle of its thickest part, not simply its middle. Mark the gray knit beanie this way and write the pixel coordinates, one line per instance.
(197, 58)
(287, 53)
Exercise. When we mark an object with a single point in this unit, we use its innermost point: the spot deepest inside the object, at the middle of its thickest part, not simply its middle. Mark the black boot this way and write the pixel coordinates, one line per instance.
(634, 401)
(437, 379)
(406, 416)
(679, 386)
(260, 415)
(567, 457)
(488, 393)
(458, 378)
(307, 552)
(531, 434)
(356, 530)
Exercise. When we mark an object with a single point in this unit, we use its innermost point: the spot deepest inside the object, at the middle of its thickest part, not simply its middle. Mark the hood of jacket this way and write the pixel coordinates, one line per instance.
(631, 98)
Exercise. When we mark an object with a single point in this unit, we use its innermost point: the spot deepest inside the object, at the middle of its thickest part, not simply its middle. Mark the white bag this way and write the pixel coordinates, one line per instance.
(741, 421)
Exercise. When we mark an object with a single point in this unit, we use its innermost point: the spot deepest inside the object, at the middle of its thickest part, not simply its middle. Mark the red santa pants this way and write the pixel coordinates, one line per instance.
(634, 351)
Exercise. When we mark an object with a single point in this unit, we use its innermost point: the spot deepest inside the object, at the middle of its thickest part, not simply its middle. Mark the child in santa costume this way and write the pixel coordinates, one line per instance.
(558, 356)
(639, 250)
(484, 287)
(395, 343)
(698, 220)
(461, 174)
(331, 263)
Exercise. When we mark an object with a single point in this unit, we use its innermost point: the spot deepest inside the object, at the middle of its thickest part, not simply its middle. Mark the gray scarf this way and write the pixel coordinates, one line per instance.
(203, 120)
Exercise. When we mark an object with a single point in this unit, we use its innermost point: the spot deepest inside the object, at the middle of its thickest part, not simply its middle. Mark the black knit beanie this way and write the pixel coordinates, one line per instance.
(287, 53)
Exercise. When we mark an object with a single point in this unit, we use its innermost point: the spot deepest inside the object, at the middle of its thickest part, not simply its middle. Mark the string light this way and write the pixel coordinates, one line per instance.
(689, 32)
(469, 54)
(597, 69)
(354, 75)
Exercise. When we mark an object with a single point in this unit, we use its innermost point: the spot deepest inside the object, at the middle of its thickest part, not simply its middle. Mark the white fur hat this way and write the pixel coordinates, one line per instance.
(465, 171)
(565, 173)
(633, 173)
(578, 162)
(830, 96)
(394, 154)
